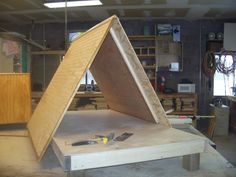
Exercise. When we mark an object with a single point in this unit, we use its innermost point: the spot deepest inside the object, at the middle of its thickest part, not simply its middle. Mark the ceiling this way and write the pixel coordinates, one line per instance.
(26, 11)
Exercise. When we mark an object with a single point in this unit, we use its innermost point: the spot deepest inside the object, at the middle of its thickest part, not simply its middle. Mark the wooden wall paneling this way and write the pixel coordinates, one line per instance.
(15, 98)
(63, 86)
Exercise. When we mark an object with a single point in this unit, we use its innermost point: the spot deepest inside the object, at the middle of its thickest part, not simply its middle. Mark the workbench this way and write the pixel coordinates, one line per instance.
(148, 142)
(17, 158)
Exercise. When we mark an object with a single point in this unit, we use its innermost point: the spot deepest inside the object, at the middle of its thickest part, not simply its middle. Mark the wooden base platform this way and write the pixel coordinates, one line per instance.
(21, 161)
(149, 141)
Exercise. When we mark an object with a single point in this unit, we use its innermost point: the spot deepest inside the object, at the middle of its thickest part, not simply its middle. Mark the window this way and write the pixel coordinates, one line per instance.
(224, 78)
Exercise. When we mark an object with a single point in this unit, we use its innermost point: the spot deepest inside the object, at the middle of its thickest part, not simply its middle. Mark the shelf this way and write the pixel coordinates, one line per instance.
(145, 47)
(150, 55)
(48, 52)
(182, 113)
(152, 78)
(215, 40)
(140, 37)
(183, 103)
(149, 67)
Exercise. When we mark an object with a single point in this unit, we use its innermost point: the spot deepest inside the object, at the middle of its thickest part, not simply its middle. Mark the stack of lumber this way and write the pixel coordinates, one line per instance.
(90, 103)
(73, 104)
(178, 104)
(100, 103)
(167, 103)
(188, 104)
(87, 107)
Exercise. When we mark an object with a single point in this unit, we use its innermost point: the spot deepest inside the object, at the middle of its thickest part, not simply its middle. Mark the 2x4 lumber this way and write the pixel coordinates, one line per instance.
(191, 162)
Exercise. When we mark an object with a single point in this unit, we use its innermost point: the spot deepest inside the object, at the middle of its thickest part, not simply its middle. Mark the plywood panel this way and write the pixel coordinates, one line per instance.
(63, 86)
(148, 142)
(15, 98)
(138, 74)
(117, 83)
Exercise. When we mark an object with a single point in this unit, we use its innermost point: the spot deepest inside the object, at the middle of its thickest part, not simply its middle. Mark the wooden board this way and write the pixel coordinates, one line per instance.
(13, 133)
(21, 162)
(148, 142)
(63, 86)
(15, 98)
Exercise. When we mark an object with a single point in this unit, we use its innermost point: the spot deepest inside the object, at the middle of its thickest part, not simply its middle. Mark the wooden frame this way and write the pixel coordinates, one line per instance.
(148, 142)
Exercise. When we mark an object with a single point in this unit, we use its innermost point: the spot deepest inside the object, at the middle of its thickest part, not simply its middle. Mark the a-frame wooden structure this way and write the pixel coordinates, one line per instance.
(107, 52)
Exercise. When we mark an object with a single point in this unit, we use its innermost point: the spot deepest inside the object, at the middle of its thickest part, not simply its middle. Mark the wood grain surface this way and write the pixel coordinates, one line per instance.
(117, 83)
(149, 141)
(138, 73)
(64, 85)
(15, 98)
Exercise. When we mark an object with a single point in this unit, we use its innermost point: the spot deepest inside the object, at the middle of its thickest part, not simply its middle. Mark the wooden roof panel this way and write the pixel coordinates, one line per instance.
(63, 86)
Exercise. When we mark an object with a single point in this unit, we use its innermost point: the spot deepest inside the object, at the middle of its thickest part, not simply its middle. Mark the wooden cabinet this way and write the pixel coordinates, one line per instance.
(157, 53)
(168, 54)
(181, 103)
(15, 98)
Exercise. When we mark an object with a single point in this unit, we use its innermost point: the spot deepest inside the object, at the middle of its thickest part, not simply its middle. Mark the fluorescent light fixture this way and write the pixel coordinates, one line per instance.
(60, 4)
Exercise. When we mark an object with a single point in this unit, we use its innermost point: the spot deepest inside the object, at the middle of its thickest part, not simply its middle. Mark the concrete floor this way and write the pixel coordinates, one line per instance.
(226, 145)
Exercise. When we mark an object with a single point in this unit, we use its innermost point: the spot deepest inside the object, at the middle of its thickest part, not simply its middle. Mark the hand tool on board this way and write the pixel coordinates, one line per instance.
(123, 137)
(96, 140)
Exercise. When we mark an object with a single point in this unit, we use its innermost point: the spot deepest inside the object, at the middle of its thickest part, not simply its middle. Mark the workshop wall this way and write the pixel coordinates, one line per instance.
(193, 36)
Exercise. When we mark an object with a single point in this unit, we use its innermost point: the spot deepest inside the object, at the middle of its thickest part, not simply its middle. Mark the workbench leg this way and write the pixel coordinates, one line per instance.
(191, 162)
(68, 174)
(80, 173)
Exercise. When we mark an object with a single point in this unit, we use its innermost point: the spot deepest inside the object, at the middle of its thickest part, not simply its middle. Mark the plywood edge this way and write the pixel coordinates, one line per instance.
(132, 61)
(40, 155)
(64, 160)
(96, 26)
(30, 97)
(20, 133)
(133, 155)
